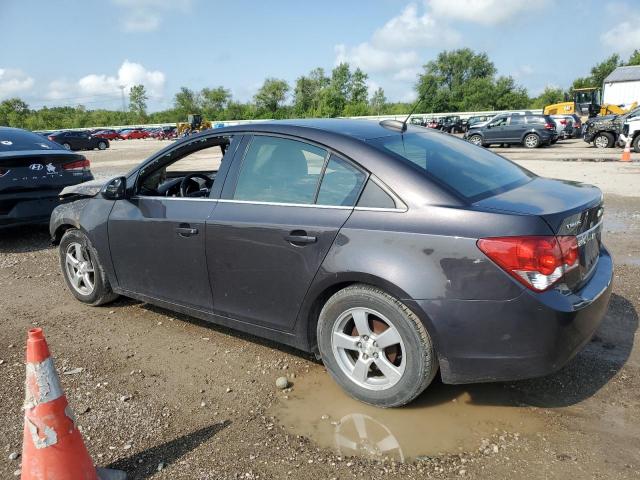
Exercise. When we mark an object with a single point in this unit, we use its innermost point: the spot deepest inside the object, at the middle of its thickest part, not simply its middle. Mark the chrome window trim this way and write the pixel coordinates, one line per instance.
(273, 204)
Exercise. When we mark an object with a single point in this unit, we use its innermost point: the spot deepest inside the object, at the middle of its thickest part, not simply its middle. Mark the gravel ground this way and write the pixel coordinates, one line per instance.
(164, 396)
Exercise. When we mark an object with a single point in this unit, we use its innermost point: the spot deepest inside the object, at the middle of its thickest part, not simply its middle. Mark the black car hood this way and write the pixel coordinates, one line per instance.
(85, 189)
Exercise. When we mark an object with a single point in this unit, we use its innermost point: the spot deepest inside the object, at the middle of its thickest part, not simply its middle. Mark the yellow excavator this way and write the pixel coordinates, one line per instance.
(194, 124)
(586, 103)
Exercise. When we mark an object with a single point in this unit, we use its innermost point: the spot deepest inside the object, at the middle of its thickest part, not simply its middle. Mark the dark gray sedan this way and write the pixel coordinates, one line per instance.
(391, 253)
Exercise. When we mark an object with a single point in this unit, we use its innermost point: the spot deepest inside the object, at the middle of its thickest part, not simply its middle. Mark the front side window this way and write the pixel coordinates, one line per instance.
(280, 170)
(498, 122)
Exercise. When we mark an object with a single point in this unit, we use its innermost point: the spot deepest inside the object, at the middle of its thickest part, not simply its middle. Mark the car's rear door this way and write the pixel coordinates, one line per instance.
(514, 129)
(274, 225)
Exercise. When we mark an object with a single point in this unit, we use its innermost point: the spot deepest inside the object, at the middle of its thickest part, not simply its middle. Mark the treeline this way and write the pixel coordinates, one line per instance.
(458, 80)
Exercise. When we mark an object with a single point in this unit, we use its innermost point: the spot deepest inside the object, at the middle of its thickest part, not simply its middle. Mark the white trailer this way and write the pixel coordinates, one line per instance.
(622, 87)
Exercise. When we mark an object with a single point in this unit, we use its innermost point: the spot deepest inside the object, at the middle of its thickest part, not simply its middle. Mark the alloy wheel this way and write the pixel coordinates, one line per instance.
(601, 141)
(368, 348)
(80, 271)
(531, 141)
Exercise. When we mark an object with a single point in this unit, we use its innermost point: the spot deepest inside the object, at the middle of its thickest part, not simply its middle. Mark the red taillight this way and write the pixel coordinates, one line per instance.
(549, 126)
(79, 165)
(537, 262)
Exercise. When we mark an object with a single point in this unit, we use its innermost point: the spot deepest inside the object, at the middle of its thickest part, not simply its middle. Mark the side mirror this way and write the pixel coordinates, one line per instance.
(115, 189)
(488, 125)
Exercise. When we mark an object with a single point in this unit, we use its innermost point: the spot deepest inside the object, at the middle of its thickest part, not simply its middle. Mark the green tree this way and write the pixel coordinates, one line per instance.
(549, 96)
(138, 101)
(600, 71)
(378, 101)
(186, 101)
(358, 90)
(634, 59)
(13, 112)
(509, 96)
(444, 80)
(270, 97)
(214, 101)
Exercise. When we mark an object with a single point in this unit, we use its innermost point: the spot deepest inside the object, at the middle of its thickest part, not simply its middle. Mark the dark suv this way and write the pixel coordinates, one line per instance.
(514, 128)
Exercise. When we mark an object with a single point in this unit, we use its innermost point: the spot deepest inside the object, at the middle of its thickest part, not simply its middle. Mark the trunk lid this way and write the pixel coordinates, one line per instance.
(569, 208)
(31, 170)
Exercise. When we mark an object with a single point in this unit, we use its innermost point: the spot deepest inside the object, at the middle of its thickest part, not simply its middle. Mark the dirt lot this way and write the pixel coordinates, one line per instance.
(163, 396)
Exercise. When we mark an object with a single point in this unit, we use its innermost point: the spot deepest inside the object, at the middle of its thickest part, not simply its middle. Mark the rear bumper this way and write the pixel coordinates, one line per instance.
(27, 207)
(529, 336)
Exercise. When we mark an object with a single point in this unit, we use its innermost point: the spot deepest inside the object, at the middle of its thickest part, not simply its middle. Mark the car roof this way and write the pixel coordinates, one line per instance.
(356, 129)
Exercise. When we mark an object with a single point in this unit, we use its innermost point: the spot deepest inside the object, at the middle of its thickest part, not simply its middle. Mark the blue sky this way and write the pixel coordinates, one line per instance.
(82, 52)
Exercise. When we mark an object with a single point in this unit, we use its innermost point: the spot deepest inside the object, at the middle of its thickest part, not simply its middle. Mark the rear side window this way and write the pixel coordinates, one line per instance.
(470, 171)
(280, 170)
(535, 119)
(517, 120)
(341, 183)
(20, 140)
(373, 196)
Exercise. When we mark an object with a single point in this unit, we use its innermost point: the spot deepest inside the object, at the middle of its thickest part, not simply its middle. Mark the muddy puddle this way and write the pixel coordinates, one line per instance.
(444, 419)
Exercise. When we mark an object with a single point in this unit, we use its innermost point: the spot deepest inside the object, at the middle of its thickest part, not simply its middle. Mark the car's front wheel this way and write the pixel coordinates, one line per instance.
(375, 347)
(82, 270)
(603, 140)
(476, 140)
(531, 140)
(67, 146)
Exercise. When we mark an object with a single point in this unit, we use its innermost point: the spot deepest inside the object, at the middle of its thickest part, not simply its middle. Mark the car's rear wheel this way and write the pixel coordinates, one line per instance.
(375, 347)
(82, 270)
(603, 140)
(476, 140)
(636, 144)
(102, 145)
(531, 140)
(66, 145)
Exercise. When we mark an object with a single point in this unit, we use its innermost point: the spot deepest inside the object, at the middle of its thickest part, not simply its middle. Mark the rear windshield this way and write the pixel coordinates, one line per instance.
(470, 171)
(16, 139)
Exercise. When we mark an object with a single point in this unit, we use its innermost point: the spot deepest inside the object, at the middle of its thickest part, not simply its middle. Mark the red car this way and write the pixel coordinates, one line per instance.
(134, 133)
(109, 134)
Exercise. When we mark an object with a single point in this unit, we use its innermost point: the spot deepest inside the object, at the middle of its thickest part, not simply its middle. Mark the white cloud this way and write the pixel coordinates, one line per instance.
(624, 37)
(95, 85)
(373, 59)
(147, 15)
(484, 12)
(412, 30)
(409, 74)
(393, 47)
(14, 81)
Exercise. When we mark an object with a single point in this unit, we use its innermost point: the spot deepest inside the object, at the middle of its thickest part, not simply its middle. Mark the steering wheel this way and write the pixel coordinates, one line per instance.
(184, 184)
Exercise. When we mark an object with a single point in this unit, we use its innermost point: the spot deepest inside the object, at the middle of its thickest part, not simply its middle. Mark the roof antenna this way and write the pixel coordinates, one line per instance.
(413, 109)
(397, 125)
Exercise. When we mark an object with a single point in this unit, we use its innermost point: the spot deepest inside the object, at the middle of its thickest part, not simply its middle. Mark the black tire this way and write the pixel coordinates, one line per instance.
(420, 359)
(636, 144)
(102, 145)
(67, 146)
(101, 293)
(531, 140)
(603, 140)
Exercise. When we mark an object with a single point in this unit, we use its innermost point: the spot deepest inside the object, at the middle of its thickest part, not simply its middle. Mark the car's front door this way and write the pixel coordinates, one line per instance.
(274, 225)
(157, 239)
(494, 131)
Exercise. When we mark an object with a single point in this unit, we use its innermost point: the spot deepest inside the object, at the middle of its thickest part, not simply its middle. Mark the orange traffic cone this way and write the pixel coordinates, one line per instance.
(626, 154)
(52, 448)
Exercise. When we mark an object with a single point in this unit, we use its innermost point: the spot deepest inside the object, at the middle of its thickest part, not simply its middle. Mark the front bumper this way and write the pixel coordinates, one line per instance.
(532, 335)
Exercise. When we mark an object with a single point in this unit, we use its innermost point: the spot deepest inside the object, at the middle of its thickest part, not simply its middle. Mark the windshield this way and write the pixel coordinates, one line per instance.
(13, 139)
(470, 171)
